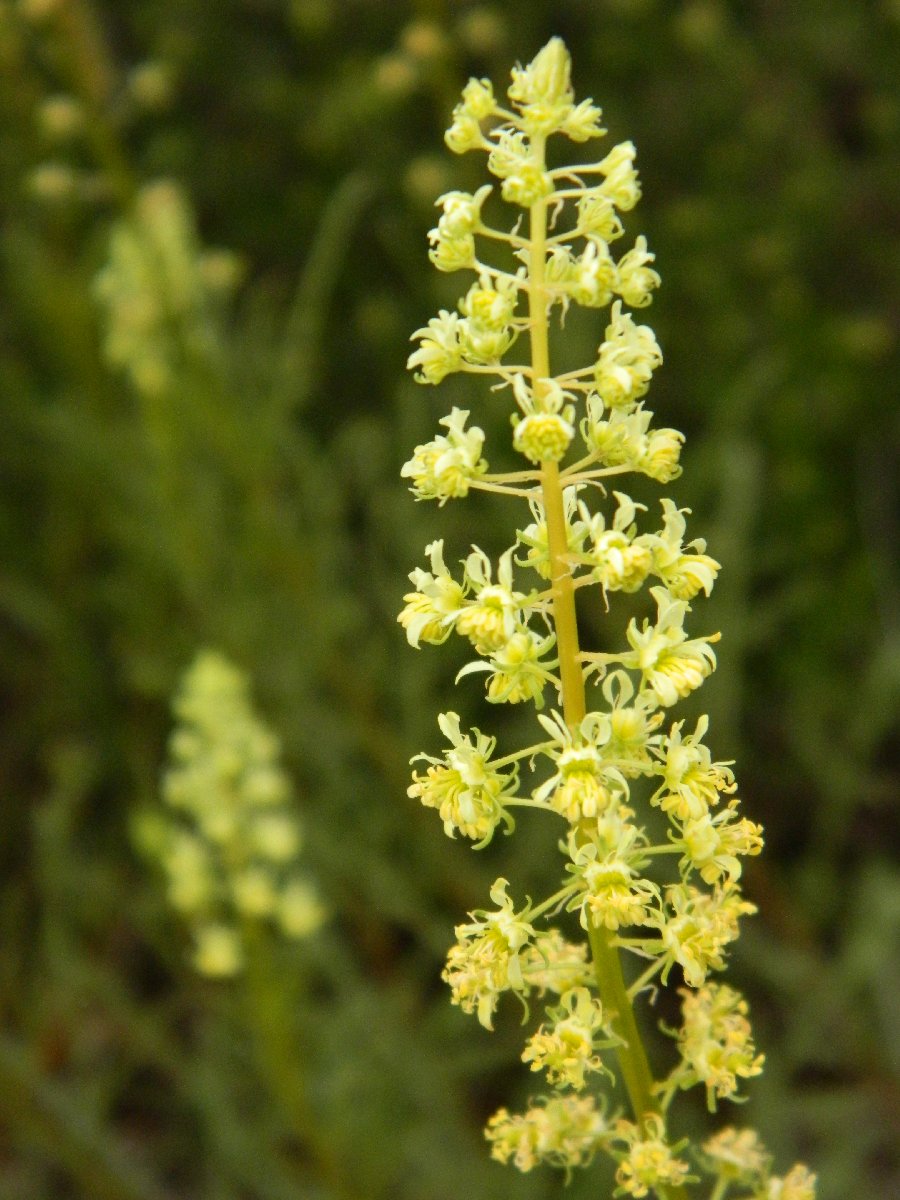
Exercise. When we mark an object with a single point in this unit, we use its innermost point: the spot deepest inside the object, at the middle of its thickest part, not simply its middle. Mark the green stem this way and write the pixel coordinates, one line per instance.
(500, 489)
(556, 898)
(562, 585)
(631, 1054)
(633, 1062)
(641, 982)
(515, 803)
(529, 751)
(271, 1007)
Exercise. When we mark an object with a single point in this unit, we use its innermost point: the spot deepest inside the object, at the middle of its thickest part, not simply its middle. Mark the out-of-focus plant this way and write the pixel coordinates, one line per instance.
(230, 842)
(158, 291)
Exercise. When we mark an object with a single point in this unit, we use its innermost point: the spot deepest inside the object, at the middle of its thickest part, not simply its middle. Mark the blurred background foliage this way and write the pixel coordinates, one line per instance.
(201, 448)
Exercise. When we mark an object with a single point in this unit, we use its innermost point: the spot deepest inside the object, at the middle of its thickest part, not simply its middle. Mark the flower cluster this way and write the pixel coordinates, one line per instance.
(716, 1042)
(648, 1162)
(230, 839)
(739, 1157)
(443, 468)
(622, 559)
(606, 750)
(489, 956)
(565, 1047)
(464, 786)
(563, 1131)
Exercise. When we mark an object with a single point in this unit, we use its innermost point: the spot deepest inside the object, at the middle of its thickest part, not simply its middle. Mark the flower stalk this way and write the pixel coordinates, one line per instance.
(611, 754)
(630, 1049)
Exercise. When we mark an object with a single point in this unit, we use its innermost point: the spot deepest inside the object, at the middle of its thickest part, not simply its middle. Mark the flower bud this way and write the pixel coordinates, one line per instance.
(543, 437)
(464, 134)
(478, 98)
(547, 78)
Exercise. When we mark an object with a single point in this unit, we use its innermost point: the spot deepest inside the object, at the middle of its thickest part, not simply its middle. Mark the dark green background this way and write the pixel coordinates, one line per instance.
(257, 508)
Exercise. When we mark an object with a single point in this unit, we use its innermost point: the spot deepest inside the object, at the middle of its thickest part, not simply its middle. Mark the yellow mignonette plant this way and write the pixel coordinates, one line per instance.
(229, 839)
(606, 743)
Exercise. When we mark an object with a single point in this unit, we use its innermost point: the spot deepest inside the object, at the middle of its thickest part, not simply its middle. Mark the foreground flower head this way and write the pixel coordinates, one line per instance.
(606, 748)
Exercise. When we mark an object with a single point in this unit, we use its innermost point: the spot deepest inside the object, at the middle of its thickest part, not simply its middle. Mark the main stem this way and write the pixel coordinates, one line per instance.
(632, 1057)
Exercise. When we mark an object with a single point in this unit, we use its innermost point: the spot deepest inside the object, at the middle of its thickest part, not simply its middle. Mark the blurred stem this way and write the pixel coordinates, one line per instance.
(632, 1057)
(298, 362)
(93, 79)
(249, 1161)
(271, 1013)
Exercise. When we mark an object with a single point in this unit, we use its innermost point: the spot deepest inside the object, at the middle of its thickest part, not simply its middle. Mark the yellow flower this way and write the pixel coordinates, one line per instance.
(487, 958)
(716, 1041)
(583, 784)
(649, 1162)
(444, 468)
(737, 1154)
(490, 305)
(633, 722)
(798, 1184)
(671, 666)
(299, 910)
(621, 559)
(489, 619)
(255, 892)
(626, 361)
(615, 895)
(463, 786)
(634, 279)
(565, 1047)
(660, 459)
(218, 951)
(461, 213)
(593, 278)
(695, 927)
(478, 98)
(465, 131)
(692, 782)
(439, 352)
(597, 216)
(714, 845)
(683, 574)
(561, 1131)
(451, 254)
(430, 610)
(543, 437)
(547, 78)
(516, 671)
(526, 186)
(542, 91)
(621, 184)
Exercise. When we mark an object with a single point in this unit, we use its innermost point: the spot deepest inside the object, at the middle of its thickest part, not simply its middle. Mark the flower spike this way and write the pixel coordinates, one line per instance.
(605, 748)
